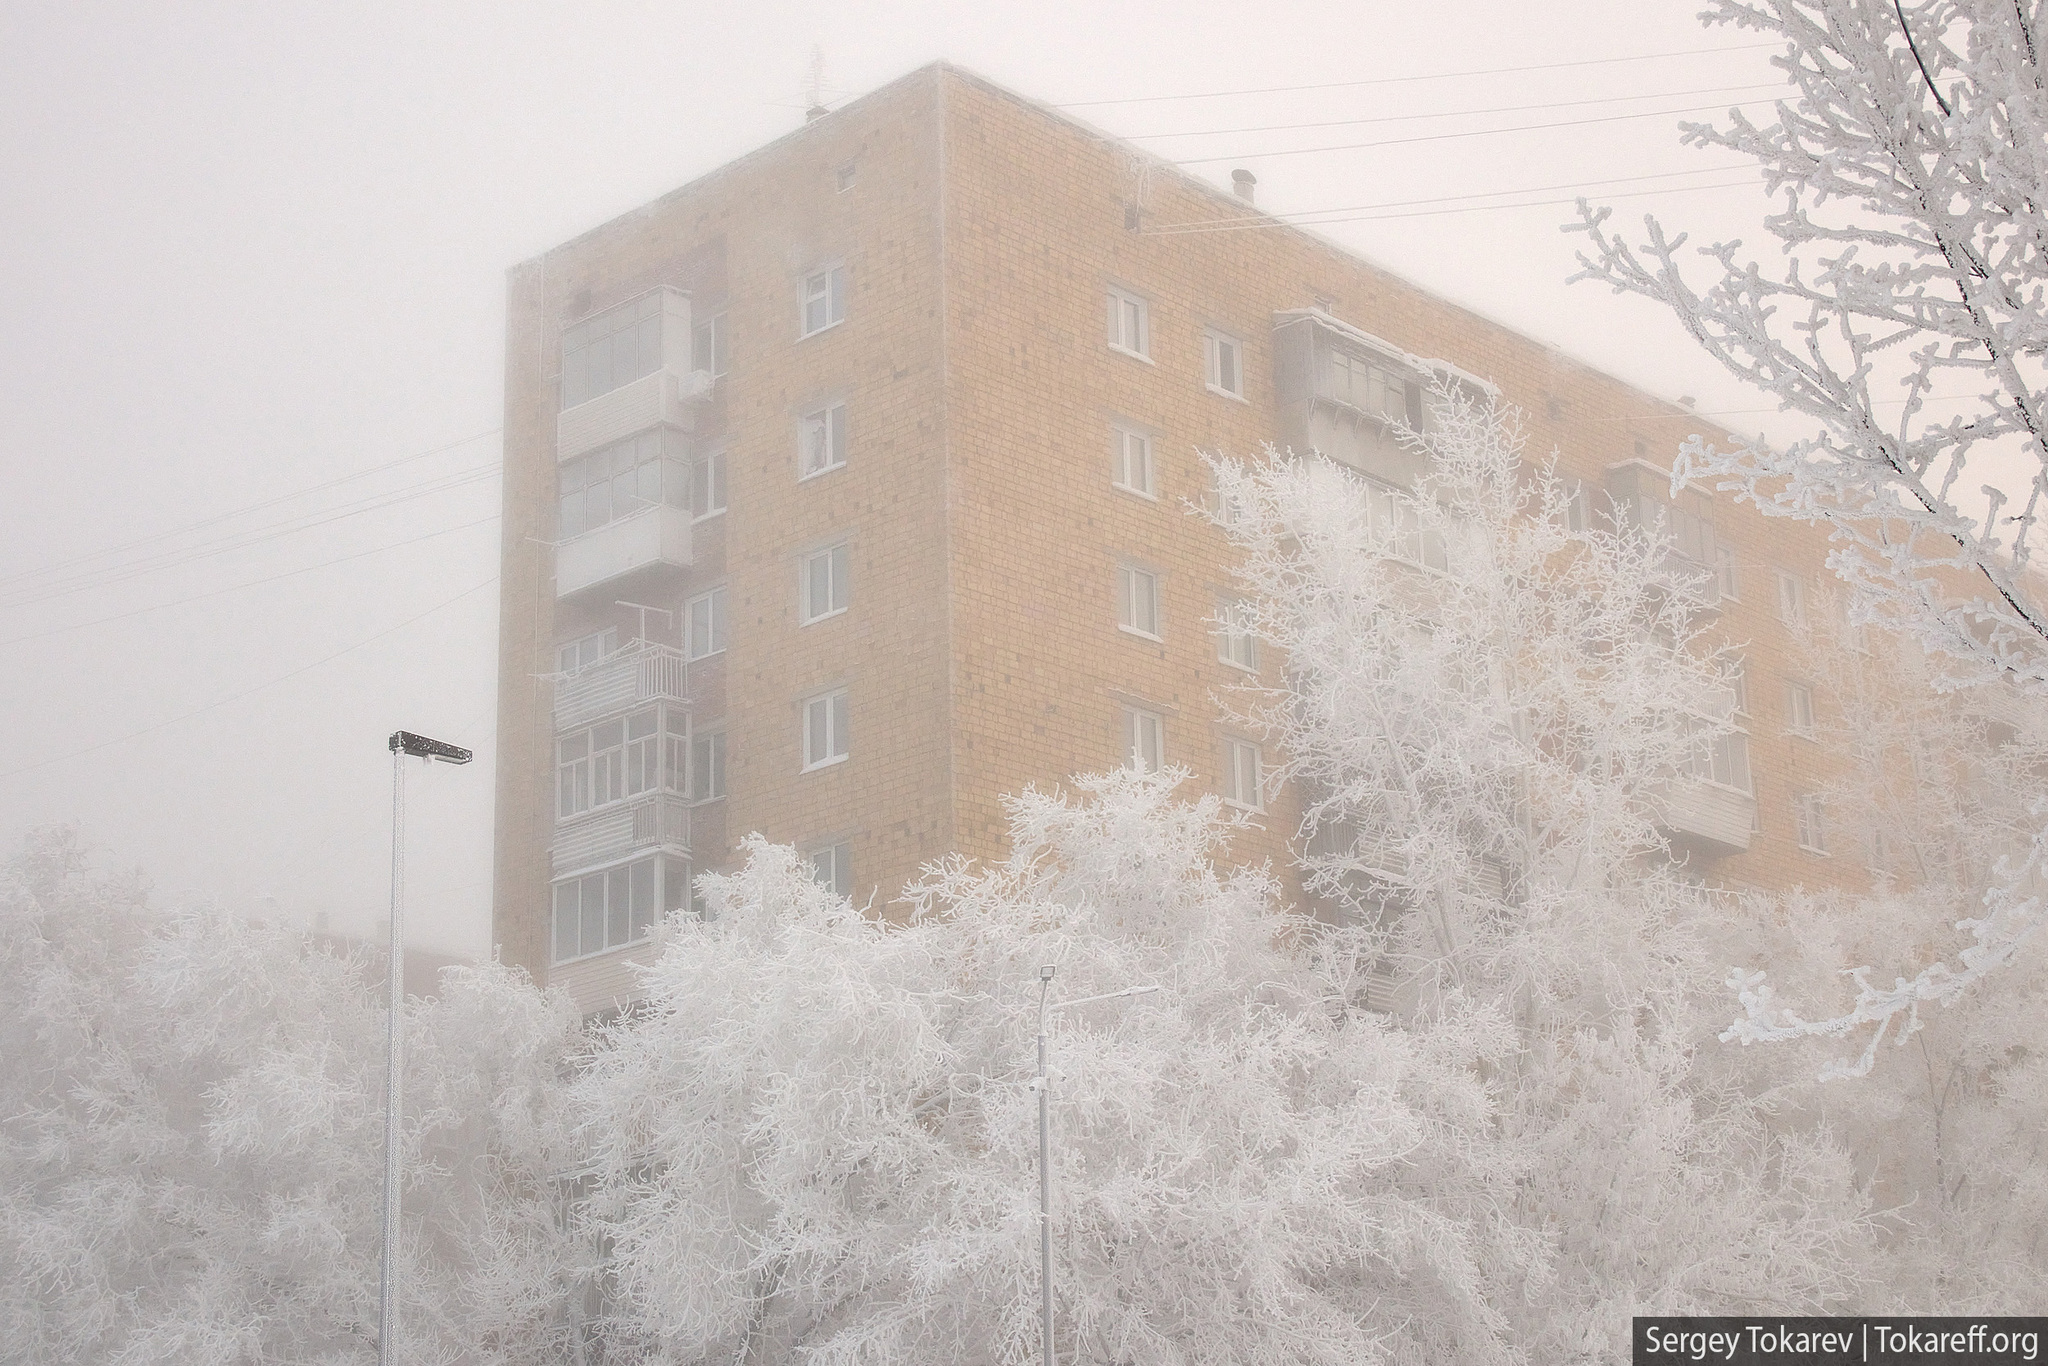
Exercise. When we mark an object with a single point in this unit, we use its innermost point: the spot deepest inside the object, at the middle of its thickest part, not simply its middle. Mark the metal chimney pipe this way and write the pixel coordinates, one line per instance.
(1244, 182)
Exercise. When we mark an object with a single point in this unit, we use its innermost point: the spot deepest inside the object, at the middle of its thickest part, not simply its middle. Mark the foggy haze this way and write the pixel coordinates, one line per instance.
(254, 261)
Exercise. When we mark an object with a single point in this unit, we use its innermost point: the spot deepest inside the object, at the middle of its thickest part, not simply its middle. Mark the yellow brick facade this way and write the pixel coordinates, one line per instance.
(980, 235)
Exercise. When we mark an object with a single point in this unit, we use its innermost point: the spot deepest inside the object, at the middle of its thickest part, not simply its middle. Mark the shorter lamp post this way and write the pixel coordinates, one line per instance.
(403, 742)
(1043, 1085)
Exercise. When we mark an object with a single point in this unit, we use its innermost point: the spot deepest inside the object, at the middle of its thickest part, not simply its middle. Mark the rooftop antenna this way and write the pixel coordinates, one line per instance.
(814, 91)
(643, 609)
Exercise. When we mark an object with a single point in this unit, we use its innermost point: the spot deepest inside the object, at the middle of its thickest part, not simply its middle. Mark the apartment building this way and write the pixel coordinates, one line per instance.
(849, 488)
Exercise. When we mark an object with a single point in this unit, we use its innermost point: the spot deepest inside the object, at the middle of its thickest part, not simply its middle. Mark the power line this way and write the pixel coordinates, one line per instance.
(242, 540)
(252, 583)
(1294, 219)
(1458, 113)
(1433, 213)
(248, 692)
(216, 519)
(1470, 133)
(1435, 76)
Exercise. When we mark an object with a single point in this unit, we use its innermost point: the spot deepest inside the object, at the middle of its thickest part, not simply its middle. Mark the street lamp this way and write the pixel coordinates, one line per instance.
(1043, 1085)
(403, 742)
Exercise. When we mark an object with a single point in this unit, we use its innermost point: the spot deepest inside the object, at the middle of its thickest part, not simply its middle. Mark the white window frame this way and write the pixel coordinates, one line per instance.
(1244, 775)
(1791, 598)
(1740, 687)
(836, 560)
(1138, 607)
(707, 766)
(1724, 573)
(1799, 709)
(707, 485)
(1131, 464)
(1236, 646)
(823, 431)
(1144, 740)
(1223, 364)
(1130, 313)
(826, 287)
(825, 724)
(708, 345)
(584, 651)
(1809, 822)
(701, 641)
(832, 868)
(662, 896)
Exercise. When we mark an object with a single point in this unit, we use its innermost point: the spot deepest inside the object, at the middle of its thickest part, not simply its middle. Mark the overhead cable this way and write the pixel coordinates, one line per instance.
(1459, 113)
(1469, 133)
(1433, 76)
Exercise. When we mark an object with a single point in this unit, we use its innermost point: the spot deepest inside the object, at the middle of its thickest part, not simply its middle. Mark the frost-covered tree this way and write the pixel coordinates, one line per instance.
(1908, 318)
(816, 1138)
(191, 1141)
(1489, 702)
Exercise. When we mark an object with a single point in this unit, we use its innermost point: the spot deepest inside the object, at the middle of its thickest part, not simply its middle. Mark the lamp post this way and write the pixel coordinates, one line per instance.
(1043, 1085)
(403, 743)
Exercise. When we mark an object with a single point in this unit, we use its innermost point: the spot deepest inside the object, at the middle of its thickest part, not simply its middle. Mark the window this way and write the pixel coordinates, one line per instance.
(1373, 388)
(1235, 644)
(1131, 462)
(1130, 324)
(1241, 775)
(578, 654)
(1395, 514)
(1740, 686)
(1144, 740)
(1799, 709)
(1725, 760)
(821, 441)
(825, 720)
(846, 176)
(1724, 572)
(608, 910)
(704, 624)
(1791, 599)
(1808, 822)
(707, 767)
(1137, 600)
(824, 300)
(707, 485)
(832, 868)
(1880, 854)
(707, 344)
(619, 480)
(1223, 364)
(611, 350)
(616, 759)
(821, 588)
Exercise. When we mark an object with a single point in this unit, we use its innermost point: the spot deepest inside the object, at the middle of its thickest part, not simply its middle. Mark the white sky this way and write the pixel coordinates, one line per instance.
(255, 254)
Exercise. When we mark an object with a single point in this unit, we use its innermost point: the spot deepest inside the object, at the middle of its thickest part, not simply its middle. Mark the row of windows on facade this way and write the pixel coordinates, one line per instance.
(613, 908)
(652, 750)
(625, 344)
(1144, 749)
(1130, 334)
(656, 468)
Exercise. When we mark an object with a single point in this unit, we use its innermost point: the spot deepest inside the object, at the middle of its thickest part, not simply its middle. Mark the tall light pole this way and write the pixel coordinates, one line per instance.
(403, 743)
(1043, 1085)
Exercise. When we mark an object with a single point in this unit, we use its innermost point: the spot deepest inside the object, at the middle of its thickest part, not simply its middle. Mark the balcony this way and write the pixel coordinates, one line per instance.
(666, 398)
(1709, 819)
(657, 821)
(654, 538)
(620, 682)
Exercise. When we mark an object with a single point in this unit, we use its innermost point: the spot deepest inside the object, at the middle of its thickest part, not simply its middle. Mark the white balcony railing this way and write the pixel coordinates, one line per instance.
(664, 398)
(655, 535)
(638, 674)
(655, 821)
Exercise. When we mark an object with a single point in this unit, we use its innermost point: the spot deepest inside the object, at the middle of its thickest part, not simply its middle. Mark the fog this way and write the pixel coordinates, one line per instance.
(254, 257)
